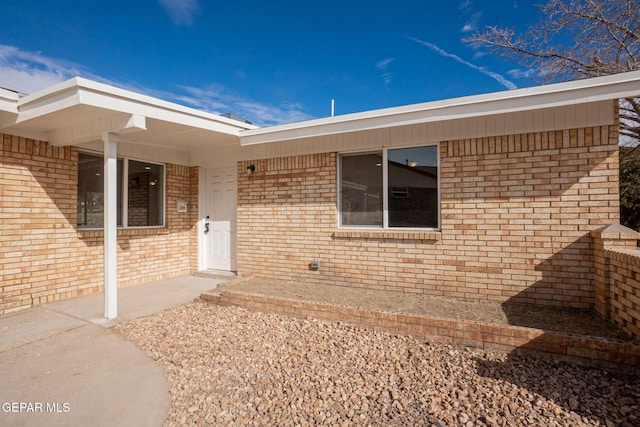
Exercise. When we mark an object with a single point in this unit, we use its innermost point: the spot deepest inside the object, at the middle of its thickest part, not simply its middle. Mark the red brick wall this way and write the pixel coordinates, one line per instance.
(516, 212)
(42, 255)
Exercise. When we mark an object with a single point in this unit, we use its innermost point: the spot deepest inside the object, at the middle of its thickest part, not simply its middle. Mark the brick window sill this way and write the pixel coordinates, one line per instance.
(125, 232)
(387, 235)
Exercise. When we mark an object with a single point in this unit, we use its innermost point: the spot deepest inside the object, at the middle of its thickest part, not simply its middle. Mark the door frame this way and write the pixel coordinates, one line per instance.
(202, 214)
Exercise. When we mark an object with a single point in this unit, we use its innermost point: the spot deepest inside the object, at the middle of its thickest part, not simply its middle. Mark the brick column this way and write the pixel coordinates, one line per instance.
(609, 237)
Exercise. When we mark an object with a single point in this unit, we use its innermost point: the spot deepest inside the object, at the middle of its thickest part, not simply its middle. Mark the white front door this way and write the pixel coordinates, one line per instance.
(220, 219)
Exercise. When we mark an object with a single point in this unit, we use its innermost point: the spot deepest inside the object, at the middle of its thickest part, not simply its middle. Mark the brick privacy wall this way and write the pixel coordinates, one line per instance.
(625, 289)
(516, 212)
(44, 258)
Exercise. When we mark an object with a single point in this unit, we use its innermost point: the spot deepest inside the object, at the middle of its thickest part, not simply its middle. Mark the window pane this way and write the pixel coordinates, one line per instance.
(361, 189)
(413, 187)
(145, 194)
(91, 191)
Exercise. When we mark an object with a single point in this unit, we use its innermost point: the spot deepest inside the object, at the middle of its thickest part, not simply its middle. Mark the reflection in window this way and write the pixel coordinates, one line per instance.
(410, 199)
(361, 189)
(90, 201)
(145, 193)
(413, 187)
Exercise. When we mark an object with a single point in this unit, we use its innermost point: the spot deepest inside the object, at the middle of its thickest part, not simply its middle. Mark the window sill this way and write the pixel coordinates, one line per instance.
(387, 234)
(146, 231)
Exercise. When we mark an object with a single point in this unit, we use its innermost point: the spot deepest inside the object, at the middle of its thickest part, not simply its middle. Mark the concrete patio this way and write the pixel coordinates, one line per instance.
(63, 365)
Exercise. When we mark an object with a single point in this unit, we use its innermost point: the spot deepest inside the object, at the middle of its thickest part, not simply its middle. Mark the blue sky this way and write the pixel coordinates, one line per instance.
(271, 62)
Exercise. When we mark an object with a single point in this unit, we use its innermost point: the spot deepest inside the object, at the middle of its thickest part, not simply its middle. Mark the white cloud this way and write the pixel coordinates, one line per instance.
(217, 99)
(383, 66)
(480, 54)
(518, 73)
(28, 72)
(465, 5)
(472, 23)
(499, 78)
(467, 28)
(181, 12)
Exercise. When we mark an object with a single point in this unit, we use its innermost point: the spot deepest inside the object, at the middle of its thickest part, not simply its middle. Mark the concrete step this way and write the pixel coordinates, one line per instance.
(225, 276)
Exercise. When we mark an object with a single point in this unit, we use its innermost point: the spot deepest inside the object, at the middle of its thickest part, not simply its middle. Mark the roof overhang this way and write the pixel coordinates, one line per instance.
(8, 107)
(625, 85)
(79, 110)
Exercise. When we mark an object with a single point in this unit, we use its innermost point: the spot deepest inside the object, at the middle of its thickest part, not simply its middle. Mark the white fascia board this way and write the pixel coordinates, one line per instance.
(79, 91)
(34, 106)
(8, 107)
(625, 85)
(183, 116)
(9, 100)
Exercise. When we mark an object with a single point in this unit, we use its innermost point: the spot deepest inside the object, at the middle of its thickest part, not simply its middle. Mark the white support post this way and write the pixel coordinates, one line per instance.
(110, 225)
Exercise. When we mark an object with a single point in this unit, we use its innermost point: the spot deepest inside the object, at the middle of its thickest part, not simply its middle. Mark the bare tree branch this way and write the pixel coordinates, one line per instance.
(577, 39)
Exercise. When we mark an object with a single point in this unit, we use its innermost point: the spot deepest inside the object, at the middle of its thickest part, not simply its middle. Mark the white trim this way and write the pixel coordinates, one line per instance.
(9, 95)
(439, 190)
(9, 101)
(385, 188)
(124, 202)
(110, 225)
(611, 87)
(164, 196)
(80, 91)
(8, 107)
(202, 185)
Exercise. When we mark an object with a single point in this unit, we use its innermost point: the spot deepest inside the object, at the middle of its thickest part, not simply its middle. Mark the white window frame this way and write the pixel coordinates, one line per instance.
(385, 189)
(125, 193)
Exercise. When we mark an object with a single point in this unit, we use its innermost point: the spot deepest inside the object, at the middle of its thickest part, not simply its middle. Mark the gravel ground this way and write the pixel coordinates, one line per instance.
(230, 366)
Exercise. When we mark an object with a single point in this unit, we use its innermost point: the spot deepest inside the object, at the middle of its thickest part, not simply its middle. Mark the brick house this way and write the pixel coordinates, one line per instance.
(492, 197)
